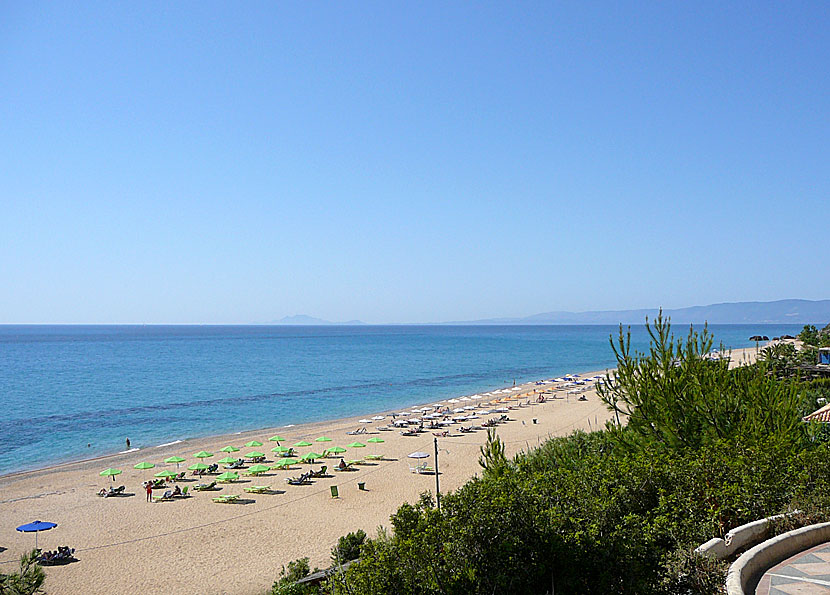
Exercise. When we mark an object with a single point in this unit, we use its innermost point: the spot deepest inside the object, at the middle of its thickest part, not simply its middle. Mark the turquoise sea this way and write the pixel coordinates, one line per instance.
(63, 387)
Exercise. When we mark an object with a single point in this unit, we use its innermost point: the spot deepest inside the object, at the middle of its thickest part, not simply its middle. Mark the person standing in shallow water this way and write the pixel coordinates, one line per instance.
(128, 444)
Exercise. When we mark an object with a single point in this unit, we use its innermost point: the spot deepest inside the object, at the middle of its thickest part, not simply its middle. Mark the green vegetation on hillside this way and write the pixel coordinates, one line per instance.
(704, 449)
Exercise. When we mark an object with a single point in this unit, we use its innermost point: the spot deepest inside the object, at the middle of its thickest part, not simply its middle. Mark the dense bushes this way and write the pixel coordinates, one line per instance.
(620, 510)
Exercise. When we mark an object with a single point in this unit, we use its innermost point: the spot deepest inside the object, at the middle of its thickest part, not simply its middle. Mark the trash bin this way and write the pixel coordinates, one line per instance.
(361, 485)
(334, 491)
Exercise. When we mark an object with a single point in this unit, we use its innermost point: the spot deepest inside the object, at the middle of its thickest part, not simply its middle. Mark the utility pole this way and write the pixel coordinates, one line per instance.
(437, 488)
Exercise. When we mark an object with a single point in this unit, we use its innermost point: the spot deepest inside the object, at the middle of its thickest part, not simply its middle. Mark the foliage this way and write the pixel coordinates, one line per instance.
(690, 573)
(28, 580)
(286, 584)
(348, 547)
(811, 336)
(676, 396)
(492, 458)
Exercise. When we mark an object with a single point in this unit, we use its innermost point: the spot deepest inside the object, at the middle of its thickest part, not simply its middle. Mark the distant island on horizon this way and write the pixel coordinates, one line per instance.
(791, 311)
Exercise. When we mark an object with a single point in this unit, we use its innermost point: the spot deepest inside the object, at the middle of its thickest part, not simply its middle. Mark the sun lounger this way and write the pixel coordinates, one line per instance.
(167, 495)
(111, 492)
(362, 430)
(183, 493)
(180, 476)
(257, 489)
(204, 487)
(226, 499)
(425, 469)
(374, 457)
(63, 555)
(320, 473)
(303, 479)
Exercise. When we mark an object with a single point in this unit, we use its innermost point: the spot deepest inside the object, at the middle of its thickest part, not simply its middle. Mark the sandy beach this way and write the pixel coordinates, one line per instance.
(125, 544)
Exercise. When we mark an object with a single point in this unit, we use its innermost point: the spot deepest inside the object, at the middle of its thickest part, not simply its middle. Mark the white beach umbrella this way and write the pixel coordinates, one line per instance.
(418, 455)
(364, 421)
(378, 417)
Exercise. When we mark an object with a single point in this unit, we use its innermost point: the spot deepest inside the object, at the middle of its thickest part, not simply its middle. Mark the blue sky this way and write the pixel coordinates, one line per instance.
(199, 162)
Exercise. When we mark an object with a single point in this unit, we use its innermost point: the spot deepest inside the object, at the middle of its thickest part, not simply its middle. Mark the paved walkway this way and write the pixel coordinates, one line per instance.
(806, 573)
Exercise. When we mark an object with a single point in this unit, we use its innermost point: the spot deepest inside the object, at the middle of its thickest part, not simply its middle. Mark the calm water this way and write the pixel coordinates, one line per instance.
(63, 387)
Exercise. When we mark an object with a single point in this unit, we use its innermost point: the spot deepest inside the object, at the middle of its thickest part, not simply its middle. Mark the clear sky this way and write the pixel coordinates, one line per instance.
(409, 162)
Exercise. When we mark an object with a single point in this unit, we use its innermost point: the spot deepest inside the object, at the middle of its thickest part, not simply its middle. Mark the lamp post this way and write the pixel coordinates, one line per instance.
(437, 488)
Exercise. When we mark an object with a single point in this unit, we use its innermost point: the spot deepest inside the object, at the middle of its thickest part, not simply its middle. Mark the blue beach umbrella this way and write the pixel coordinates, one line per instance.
(36, 527)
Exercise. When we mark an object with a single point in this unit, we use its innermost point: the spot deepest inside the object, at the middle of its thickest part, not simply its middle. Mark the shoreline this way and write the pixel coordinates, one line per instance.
(231, 435)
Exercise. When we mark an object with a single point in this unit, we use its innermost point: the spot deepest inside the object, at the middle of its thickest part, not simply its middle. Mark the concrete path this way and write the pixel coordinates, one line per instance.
(805, 573)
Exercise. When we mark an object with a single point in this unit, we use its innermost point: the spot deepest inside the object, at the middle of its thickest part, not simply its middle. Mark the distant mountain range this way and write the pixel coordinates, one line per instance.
(778, 312)
(303, 320)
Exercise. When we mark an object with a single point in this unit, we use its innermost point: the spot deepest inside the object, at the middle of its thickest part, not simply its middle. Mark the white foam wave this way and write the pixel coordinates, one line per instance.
(168, 443)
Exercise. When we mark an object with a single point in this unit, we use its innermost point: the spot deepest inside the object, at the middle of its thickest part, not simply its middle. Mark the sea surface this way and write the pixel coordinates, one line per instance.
(63, 388)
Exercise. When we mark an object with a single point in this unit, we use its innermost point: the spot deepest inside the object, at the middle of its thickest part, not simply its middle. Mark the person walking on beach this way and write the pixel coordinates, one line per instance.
(149, 491)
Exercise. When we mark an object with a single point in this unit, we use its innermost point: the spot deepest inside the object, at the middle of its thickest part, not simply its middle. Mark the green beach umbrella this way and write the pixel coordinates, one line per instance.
(144, 465)
(375, 440)
(276, 438)
(281, 449)
(356, 445)
(254, 454)
(229, 449)
(303, 443)
(335, 450)
(228, 476)
(253, 443)
(259, 469)
(176, 460)
(203, 455)
(110, 473)
(310, 456)
(227, 460)
(322, 439)
(197, 467)
(284, 462)
(165, 473)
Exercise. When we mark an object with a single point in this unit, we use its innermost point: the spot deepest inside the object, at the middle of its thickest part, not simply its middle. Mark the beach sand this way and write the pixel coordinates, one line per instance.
(124, 544)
